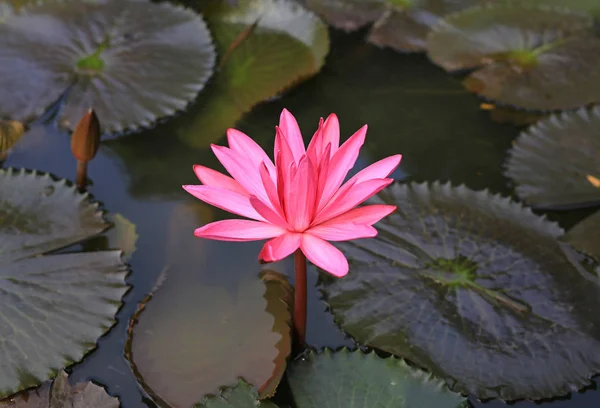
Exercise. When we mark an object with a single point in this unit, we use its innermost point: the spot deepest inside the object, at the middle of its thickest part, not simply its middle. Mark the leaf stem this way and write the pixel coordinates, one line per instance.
(300, 297)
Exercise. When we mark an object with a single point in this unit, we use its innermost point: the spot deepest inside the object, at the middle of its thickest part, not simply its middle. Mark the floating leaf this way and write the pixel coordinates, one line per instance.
(266, 46)
(122, 235)
(554, 163)
(132, 61)
(59, 393)
(538, 58)
(243, 395)
(585, 236)
(364, 380)
(55, 306)
(400, 24)
(475, 288)
(10, 133)
(190, 340)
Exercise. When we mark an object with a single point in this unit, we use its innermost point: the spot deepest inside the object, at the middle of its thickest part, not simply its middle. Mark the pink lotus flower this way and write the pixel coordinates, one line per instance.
(299, 201)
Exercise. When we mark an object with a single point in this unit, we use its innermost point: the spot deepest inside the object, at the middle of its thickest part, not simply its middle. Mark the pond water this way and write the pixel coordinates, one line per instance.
(412, 107)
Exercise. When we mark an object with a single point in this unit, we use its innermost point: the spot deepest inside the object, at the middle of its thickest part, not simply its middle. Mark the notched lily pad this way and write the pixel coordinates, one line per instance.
(534, 57)
(585, 236)
(132, 61)
(477, 289)
(265, 47)
(208, 338)
(243, 395)
(556, 162)
(399, 24)
(364, 380)
(59, 393)
(53, 306)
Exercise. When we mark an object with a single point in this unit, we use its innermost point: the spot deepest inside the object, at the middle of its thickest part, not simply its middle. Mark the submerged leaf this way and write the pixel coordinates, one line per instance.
(59, 393)
(475, 288)
(400, 24)
(10, 133)
(54, 306)
(364, 380)
(122, 235)
(131, 61)
(585, 236)
(266, 46)
(243, 395)
(554, 163)
(190, 338)
(537, 58)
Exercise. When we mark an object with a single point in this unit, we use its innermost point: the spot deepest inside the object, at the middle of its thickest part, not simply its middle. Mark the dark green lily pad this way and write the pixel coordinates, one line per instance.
(132, 61)
(59, 393)
(53, 306)
(265, 47)
(243, 395)
(475, 288)
(534, 57)
(364, 380)
(556, 162)
(189, 339)
(399, 24)
(585, 236)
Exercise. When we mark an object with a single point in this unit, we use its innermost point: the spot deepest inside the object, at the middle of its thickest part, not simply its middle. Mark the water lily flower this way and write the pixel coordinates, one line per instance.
(300, 200)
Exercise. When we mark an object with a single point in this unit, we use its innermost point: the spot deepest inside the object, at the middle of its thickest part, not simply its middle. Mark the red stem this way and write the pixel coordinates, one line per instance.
(81, 180)
(300, 297)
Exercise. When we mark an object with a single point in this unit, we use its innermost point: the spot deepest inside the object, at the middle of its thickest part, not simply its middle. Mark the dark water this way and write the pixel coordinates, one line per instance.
(411, 106)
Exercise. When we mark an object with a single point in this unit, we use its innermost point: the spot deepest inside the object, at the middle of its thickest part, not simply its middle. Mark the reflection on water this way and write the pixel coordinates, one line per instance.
(411, 106)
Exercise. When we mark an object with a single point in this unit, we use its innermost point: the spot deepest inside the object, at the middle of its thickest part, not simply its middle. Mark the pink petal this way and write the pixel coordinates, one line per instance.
(341, 163)
(213, 178)
(350, 198)
(331, 133)
(225, 199)
(344, 231)
(244, 145)
(291, 131)
(271, 190)
(280, 247)
(378, 170)
(315, 146)
(300, 199)
(268, 213)
(242, 170)
(368, 214)
(238, 230)
(324, 255)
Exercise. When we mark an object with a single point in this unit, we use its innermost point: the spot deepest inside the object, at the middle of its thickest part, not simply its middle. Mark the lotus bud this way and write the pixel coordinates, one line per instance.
(85, 142)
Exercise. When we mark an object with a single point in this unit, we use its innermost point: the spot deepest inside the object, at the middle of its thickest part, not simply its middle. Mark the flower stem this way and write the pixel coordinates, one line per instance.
(81, 180)
(300, 297)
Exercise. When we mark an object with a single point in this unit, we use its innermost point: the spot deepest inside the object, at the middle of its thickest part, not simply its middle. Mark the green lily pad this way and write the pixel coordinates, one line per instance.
(477, 289)
(132, 61)
(53, 306)
(364, 380)
(534, 57)
(188, 340)
(399, 24)
(556, 163)
(59, 393)
(585, 236)
(10, 133)
(265, 47)
(122, 235)
(243, 395)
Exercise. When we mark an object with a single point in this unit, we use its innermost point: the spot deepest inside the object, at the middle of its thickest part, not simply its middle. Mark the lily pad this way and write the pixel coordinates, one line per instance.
(132, 61)
(188, 341)
(53, 306)
(477, 289)
(585, 236)
(534, 57)
(243, 395)
(556, 162)
(399, 24)
(10, 133)
(59, 393)
(122, 235)
(364, 380)
(265, 47)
